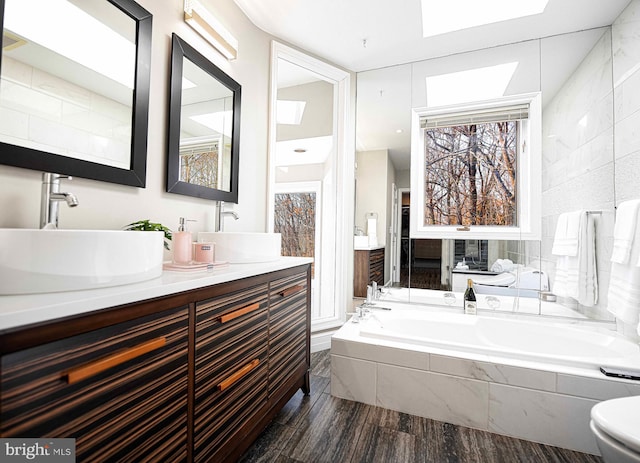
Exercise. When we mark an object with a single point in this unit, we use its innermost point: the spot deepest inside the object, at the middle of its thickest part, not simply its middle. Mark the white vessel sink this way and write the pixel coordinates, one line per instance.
(244, 247)
(43, 261)
(360, 242)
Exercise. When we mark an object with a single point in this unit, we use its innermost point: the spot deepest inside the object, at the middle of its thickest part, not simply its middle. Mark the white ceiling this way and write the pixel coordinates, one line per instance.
(335, 29)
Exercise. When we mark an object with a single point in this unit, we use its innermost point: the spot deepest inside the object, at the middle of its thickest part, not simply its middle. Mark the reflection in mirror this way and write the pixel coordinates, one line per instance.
(573, 73)
(303, 162)
(204, 127)
(74, 91)
(307, 182)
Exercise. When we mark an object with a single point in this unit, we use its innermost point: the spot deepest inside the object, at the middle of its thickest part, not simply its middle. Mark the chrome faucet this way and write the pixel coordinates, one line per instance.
(50, 198)
(221, 214)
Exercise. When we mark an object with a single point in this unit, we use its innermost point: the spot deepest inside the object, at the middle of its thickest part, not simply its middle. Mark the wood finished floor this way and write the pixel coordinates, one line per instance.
(321, 428)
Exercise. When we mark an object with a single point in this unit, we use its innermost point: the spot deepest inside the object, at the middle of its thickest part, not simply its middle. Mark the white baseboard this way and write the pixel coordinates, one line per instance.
(321, 341)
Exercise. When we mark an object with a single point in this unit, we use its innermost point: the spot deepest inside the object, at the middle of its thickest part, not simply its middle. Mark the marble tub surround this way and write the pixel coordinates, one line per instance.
(320, 428)
(546, 403)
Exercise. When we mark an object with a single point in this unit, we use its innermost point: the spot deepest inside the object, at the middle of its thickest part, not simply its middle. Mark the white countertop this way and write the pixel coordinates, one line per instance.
(368, 248)
(25, 309)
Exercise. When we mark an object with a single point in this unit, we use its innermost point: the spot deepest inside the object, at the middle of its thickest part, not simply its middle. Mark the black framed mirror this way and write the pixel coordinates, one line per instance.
(75, 88)
(204, 127)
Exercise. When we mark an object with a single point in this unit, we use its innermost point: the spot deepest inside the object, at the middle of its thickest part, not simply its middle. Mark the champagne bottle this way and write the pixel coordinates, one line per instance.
(470, 305)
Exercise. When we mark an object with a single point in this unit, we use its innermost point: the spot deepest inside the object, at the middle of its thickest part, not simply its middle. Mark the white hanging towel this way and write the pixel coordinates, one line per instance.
(565, 241)
(576, 275)
(624, 288)
(624, 230)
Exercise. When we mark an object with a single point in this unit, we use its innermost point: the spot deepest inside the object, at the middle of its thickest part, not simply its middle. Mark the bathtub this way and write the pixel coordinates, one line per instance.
(531, 379)
(558, 343)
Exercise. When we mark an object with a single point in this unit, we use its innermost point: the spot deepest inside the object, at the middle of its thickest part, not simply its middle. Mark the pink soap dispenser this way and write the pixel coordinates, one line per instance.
(182, 244)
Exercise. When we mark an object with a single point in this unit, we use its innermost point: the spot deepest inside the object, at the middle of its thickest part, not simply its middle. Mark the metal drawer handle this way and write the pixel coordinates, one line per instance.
(84, 371)
(291, 290)
(238, 375)
(238, 313)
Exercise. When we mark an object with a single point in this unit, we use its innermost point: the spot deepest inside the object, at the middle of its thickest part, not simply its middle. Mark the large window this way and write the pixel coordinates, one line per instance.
(471, 174)
(476, 170)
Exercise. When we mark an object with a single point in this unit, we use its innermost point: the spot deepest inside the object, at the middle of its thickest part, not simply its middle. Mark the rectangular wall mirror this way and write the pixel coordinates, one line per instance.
(74, 94)
(204, 127)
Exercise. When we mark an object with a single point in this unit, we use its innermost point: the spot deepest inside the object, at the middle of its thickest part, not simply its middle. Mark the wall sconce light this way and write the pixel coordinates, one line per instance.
(203, 22)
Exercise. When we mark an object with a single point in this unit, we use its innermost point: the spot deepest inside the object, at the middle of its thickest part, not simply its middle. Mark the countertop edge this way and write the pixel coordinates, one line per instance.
(21, 310)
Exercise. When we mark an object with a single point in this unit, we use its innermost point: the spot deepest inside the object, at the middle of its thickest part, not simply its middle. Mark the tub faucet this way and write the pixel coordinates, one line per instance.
(51, 196)
(222, 213)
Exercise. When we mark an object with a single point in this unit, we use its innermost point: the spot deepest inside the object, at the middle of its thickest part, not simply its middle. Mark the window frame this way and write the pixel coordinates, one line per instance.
(529, 184)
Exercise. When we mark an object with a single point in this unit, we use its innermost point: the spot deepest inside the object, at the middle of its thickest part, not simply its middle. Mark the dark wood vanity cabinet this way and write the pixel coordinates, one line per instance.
(231, 360)
(194, 376)
(368, 266)
(288, 328)
(119, 390)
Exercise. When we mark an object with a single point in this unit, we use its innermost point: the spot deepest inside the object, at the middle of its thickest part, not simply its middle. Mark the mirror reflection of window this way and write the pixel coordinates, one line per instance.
(295, 219)
(199, 164)
(205, 129)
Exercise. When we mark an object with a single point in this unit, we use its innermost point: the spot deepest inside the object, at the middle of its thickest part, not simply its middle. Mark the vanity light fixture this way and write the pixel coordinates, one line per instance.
(205, 24)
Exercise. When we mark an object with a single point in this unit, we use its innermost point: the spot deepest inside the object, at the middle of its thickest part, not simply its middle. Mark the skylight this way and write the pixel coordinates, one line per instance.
(466, 86)
(441, 16)
(187, 84)
(220, 122)
(289, 111)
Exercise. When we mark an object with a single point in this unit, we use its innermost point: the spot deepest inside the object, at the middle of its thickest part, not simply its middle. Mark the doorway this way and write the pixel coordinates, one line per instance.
(420, 261)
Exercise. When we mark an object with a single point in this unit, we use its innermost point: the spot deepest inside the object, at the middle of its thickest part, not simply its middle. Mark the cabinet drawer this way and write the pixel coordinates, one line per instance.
(286, 290)
(288, 329)
(231, 366)
(376, 255)
(120, 390)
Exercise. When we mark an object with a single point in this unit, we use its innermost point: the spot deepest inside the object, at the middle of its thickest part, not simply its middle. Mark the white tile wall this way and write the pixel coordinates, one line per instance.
(578, 159)
(591, 142)
(46, 112)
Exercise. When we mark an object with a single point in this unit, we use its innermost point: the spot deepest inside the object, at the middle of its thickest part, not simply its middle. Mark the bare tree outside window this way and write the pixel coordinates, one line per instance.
(295, 219)
(200, 168)
(470, 174)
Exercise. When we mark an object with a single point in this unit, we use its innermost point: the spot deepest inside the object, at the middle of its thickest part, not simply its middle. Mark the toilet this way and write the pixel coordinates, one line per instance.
(616, 425)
